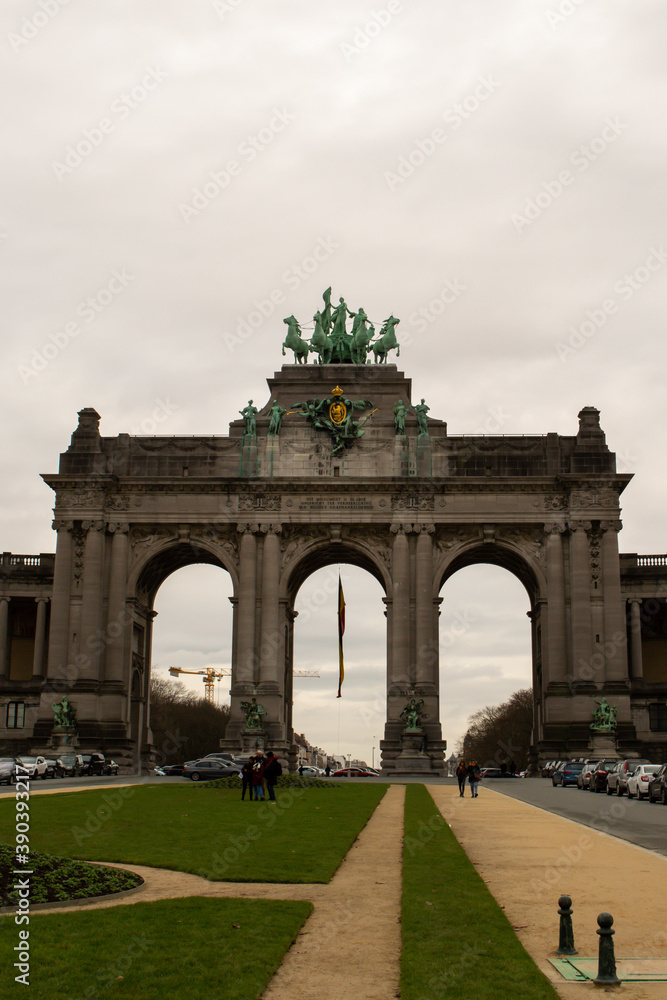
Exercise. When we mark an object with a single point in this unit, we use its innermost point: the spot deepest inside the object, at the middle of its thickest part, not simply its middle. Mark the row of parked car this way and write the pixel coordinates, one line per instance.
(218, 765)
(65, 766)
(632, 777)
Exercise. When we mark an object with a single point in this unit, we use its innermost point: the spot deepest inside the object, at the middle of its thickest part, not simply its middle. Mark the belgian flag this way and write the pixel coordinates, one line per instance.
(341, 632)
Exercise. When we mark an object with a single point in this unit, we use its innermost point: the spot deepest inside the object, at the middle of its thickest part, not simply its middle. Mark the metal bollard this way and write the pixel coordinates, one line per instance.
(606, 961)
(566, 934)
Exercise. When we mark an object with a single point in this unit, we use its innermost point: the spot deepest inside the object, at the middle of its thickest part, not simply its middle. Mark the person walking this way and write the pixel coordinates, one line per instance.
(461, 775)
(258, 778)
(246, 778)
(272, 771)
(474, 777)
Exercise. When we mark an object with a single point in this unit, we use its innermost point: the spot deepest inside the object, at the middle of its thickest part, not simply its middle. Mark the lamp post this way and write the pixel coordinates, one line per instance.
(373, 753)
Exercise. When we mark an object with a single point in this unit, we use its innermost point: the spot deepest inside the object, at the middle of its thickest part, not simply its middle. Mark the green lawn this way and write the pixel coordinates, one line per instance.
(457, 942)
(207, 831)
(180, 949)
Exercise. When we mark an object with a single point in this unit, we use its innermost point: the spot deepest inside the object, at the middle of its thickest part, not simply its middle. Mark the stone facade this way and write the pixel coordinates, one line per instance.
(411, 508)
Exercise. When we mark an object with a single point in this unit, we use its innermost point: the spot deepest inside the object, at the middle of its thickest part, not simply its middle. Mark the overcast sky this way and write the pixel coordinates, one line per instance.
(491, 173)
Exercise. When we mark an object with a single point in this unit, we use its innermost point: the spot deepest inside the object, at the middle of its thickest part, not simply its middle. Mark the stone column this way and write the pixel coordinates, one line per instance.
(615, 634)
(245, 610)
(119, 621)
(636, 639)
(40, 637)
(556, 637)
(4, 636)
(270, 640)
(60, 602)
(401, 608)
(580, 594)
(425, 611)
(91, 601)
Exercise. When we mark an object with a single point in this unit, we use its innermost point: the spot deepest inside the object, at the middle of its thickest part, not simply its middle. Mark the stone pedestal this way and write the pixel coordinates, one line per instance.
(604, 745)
(412, 758)
(252, 740)
(63, 740)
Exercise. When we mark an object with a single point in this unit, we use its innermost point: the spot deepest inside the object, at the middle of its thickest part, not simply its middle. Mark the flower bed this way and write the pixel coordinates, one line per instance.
(54, 879)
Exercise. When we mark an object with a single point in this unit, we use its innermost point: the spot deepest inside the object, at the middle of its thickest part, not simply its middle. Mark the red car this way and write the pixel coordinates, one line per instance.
(353, 772)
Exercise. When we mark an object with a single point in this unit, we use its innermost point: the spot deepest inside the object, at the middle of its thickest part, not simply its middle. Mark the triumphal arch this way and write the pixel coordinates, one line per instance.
(337, 463)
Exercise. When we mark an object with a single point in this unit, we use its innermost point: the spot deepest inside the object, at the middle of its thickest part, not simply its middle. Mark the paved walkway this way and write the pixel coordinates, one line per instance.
(528, 858)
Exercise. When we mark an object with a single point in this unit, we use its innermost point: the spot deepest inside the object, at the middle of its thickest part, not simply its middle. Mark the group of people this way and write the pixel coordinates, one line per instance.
(259, 775)
(471, 773)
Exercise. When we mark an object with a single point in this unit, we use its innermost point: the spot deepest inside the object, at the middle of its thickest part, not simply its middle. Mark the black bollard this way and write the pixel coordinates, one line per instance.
(566, 935)
(606, 961)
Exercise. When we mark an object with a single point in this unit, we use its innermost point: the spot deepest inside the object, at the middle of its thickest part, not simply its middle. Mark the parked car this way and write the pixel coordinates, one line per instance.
(170, 770)
(567, 774)
(617, 780)
(638, 781)
(51, 768)
(7, 770)
(585, 775)
(496, 772)
(69, 765)
(308, 771)
(205, 770)
(36, 766)
(547, 769)
(657, 786)
(110, 767)
(598, 779)
(93, 763)
(352, 772)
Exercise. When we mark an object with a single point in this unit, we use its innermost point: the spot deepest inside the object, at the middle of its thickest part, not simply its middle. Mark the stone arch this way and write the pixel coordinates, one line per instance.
(512, 556)
(166, 557)
(318, 553)
(520, 556)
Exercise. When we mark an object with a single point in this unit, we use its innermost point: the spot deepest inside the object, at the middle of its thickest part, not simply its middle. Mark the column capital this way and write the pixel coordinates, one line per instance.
(424, 529)
(39, 600)
(62, 525)
(118, 528)
(635, 600)
(269, 529)
(93, 525)
(580, 526)
(5, 599)
(249, 529)
(611, 525)
(553, 528)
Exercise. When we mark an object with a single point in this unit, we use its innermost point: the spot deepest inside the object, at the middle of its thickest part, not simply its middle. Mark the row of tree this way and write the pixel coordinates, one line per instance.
(499, 734)
(185, 726)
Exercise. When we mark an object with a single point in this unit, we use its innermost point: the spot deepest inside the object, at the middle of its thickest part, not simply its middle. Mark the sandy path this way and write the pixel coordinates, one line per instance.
(362, 905)
(529, 857)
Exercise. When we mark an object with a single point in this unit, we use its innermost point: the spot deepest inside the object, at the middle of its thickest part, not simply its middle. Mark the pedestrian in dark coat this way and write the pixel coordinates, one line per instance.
(474, 776)
(272, 771)
(461, 775)
(246, 778)
(258, 778)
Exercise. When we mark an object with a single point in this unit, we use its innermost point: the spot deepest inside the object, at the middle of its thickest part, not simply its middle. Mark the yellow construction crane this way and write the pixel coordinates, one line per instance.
(210, 675)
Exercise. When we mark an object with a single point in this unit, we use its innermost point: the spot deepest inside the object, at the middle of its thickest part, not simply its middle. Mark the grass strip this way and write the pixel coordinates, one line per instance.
(303, 837)
(457, 942)
(186, 948)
